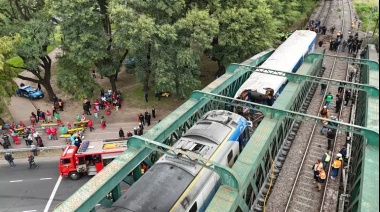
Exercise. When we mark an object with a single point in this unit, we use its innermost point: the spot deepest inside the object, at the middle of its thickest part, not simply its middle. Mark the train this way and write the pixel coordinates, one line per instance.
(174, 184)
(288, 57)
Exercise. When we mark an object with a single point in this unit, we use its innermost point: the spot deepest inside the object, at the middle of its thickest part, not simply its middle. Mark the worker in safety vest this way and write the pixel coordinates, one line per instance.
(316, 167)
(326, 159)
(321, 179)
(336, 165)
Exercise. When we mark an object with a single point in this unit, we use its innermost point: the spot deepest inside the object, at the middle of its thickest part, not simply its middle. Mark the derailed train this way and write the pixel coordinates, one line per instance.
(288, 57)
(173, 184)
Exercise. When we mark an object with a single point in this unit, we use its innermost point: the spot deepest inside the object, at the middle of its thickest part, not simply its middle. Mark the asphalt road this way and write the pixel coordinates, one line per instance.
(24, 190)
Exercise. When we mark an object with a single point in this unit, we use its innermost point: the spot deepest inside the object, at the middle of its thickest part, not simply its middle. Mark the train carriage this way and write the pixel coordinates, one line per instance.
(288, 57)
(173, 184)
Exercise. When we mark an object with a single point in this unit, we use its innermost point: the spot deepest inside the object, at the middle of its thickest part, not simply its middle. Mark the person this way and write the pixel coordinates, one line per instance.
(9, 158)
(29, 140)
(63, 129)
(54, 109)
(321, 179)
(60, 105)
(7, 143)
(324, 112)
(326, 157)
(102, 92)
(323, 87)
(129, 134)
(58, 117)
(146, 96)
(32, 164)
(336, 165)
(36, 135)
(147, 117)
(344, 45)
(158, 95)
(96, 112)
(316, 167)
(48, 116)
(141, 118)
(14, 135)
(338, 103)
(102, 123)
(153, 112)
(135, 131)
(55, 100)
(83, 118)
(34, 149)
(69, 125)
(86, 109)
(121, 133)
(39, 142)
(343, 152)
(33, 119)
(328, 99)
(320, 43)
(48, 133)
(53, 131)
(330, 137)
(72, 138)
(90, 125)
(347, 96)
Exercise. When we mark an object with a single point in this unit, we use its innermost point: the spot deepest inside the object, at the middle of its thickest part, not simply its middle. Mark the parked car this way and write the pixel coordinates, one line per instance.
(130, 63)
(30, 92)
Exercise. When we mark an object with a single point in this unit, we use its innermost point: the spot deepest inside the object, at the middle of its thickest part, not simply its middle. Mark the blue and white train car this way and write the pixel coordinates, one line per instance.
(287, 58)
(173, 184)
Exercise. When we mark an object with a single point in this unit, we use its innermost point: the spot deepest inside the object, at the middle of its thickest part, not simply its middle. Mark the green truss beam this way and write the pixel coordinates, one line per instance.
(227, 176)
(373, 65)
(279, 113)
(298, 78)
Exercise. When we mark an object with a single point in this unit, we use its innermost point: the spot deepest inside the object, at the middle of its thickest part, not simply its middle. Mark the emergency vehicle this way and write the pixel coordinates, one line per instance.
(89, 158)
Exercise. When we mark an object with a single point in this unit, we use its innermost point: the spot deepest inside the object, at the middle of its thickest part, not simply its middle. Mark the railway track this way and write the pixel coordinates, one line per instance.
(302, 195)
(294, 189)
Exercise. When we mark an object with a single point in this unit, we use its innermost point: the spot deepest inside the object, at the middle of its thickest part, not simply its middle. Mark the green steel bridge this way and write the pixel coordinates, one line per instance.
(254, 163)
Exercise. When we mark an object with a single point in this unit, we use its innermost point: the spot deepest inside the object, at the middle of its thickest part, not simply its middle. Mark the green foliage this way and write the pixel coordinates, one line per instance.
(75, 79)
(364, 12)
(7, 85)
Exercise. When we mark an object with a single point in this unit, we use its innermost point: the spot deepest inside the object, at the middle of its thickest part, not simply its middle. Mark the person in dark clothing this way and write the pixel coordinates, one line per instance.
(147, 118)
(332, 42)
(158, 95)
(341, 86)
(338, 103)
(153, 112)
(86, 109)
(141, 118)
(146, 96)
(343, 151)
(320, 43)
(135, 131)
(38, 115)
(330, 138)
(102, 92)
(55, 101)
(121, 133)
(39, 86)
(323, 88)
(129, 134)
(347, 97)
(324, 29)
(9, 158)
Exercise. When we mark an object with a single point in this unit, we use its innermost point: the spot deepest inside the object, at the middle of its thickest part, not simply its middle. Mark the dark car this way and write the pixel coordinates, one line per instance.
(30, 92)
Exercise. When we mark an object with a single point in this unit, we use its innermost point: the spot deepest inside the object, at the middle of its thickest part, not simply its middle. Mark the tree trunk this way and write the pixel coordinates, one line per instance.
(113, 82)
(146, 82)
(48, 88)
(221, 69)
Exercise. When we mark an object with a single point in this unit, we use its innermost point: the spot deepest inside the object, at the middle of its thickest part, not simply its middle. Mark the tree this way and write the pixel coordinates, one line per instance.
(35, 38)
(74, 79)
(245, 29)
(88, 39)
(167, 38)
(7, 85)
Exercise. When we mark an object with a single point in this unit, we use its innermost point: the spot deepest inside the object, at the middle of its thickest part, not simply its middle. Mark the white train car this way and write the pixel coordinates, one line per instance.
(287, 58)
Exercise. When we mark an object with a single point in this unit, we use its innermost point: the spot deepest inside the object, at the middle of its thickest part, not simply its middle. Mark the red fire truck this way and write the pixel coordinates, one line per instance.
(89, 158)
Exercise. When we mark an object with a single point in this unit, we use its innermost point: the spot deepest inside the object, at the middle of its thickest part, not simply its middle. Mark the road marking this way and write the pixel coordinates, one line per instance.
(45, 178)
(15, 181)
(30, 211)
(53, 194)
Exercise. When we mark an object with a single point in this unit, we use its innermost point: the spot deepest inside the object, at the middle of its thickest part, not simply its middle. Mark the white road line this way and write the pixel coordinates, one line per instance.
(53, 194)
(45, 178)
(15, 181)
(30, 211)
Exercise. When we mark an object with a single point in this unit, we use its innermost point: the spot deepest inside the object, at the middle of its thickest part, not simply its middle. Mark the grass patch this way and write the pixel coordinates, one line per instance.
(370, 3)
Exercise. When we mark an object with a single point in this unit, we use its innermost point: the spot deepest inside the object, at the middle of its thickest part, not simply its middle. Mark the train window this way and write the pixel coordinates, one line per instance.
(194, 208)
(229, 156)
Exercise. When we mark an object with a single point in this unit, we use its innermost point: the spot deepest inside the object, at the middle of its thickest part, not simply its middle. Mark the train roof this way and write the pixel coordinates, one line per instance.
(285, 58)
(144, 195)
